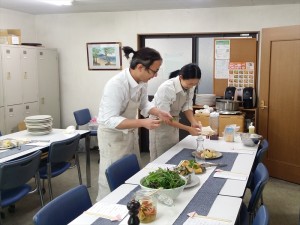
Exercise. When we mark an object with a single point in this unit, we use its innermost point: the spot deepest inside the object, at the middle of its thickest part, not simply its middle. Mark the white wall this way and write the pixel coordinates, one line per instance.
(16, 20)
(69, 33)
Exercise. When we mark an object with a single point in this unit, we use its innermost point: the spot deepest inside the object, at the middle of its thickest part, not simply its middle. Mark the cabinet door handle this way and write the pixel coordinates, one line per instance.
(25, 75)
(42, 100)
(8, 76)
(262, 105)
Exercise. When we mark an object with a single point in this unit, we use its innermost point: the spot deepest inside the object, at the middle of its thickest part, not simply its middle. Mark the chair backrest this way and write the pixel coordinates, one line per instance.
(64, 208)
(119, 171)
(260, 178)
(17, 172)
(82, 117)
(262, 216)
(262, 150)
(62, 151)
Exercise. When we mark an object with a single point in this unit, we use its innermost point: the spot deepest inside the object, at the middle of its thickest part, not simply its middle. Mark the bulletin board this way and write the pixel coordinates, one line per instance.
(237, 53)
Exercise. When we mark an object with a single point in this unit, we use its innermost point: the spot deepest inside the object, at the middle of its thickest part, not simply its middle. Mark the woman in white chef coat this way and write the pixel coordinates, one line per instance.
(123, 95)
(175, 95)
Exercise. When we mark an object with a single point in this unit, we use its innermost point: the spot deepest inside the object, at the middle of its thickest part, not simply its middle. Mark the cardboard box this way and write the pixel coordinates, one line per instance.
(10, 36)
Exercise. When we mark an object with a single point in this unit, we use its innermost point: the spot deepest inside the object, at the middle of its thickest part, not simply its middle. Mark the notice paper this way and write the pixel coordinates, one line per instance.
(113, 212)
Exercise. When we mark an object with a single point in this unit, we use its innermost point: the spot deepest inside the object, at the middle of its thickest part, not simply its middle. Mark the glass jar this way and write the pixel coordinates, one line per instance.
(148, 209)
(200, 157)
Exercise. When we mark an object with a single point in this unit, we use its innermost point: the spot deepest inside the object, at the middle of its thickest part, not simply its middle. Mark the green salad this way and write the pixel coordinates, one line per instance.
(163, 178)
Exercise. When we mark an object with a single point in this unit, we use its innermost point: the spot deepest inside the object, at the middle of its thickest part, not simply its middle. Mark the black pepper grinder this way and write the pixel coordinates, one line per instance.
(133, 206)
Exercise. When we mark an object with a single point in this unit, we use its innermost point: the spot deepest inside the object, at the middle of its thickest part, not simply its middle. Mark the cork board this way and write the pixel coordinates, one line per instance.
(241, 50)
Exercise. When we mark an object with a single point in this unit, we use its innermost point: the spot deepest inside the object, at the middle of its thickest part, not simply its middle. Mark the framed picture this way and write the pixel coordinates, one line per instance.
(104, 56)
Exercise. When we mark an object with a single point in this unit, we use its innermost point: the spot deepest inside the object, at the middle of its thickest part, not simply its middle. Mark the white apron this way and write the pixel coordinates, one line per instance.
(114, 144)
(165, 136)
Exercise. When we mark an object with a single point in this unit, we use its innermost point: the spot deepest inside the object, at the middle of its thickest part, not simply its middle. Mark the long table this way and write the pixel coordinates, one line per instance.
(55, 135)
(223, 203)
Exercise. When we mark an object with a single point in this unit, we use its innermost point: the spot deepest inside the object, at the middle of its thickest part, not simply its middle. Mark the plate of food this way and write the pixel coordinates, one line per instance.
(7, 144)
(186, 167)
(207, 154)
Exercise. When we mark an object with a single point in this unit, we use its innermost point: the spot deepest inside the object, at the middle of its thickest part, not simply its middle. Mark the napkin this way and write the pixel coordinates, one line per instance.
(113, 212)
(230, 175)
(195, 219)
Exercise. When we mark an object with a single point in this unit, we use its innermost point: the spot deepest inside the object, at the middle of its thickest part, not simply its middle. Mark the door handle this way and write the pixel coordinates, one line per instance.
(262, 105)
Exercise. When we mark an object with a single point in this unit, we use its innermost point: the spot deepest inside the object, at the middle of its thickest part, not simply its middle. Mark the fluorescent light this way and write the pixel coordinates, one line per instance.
(59, 2)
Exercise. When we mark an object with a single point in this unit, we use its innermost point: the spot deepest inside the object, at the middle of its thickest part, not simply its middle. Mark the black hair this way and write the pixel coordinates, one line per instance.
(190, 71)
(145, 56)
(174, 74)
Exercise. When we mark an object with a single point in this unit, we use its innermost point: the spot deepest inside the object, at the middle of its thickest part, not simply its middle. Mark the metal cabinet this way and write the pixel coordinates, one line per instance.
(29, 84)
(48, 82)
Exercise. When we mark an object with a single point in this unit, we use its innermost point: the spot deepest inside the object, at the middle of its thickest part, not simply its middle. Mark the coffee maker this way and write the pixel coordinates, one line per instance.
(249, 97)
(229, 93)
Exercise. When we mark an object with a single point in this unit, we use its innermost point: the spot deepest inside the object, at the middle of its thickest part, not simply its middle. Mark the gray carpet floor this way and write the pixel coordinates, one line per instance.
(282, 198)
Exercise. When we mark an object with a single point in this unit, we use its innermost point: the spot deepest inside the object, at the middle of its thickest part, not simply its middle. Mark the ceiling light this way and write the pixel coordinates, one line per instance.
(59, 2)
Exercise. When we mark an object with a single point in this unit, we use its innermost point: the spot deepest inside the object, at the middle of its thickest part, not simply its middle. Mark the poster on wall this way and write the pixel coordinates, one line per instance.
(104, 56)
(241, 74)
(222, 56)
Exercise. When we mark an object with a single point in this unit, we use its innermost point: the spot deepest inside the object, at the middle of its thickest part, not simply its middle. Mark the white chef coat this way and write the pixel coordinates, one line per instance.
(117, 93)
(170, 97)
(121, 99)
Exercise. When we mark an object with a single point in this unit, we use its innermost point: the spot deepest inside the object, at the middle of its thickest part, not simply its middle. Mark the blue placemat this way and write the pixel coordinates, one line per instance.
(13, 151)
(205, 197)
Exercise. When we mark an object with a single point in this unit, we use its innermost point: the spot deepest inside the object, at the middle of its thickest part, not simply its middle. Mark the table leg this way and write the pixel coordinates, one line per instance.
(88, 160)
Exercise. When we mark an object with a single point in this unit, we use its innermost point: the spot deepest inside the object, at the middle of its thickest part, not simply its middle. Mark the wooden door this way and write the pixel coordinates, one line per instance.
(279, 108)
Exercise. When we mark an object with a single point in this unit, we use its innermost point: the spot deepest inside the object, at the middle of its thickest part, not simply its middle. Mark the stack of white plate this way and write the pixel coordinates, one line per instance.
(205, 99)
(39, 124)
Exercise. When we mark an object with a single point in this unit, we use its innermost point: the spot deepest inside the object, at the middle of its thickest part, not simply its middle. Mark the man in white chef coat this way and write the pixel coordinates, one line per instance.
(123, 95)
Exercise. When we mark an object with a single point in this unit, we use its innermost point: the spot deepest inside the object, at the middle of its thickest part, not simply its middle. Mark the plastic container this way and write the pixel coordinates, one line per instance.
(148, 209)
(214, 122)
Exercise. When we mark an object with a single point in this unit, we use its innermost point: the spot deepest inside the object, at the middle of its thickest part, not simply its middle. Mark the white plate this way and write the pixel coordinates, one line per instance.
(40, 133)
(38, 117)
(195, 180)
(218, 155)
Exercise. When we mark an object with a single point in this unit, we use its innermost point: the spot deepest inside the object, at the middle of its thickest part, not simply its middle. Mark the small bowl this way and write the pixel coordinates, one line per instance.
(172, 193)
(250, 140)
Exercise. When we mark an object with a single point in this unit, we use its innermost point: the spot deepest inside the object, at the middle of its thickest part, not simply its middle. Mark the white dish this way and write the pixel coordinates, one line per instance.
(38, 117)
(40, 133)
(218, 155)
(194, 181)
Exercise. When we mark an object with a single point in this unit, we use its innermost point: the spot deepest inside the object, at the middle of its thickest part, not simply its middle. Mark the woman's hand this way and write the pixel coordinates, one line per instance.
(194, 131)
(151, 123)
(164, 116)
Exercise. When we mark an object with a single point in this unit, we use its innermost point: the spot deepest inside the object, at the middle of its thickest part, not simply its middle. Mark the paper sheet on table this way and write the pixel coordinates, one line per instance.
(112, 212)
(38, 143)
(202, 220)
(230, 175)
(243, 151)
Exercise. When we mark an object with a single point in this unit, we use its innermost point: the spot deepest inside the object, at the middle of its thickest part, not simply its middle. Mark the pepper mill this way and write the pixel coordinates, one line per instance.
(133, 206)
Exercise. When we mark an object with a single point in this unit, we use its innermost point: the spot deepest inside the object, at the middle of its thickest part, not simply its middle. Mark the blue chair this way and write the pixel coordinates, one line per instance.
(119, 171)
(58, 161)
(260, 155)
(64, 208)
(14, 176)
(260, 179)
(83, 117)
(262, 216)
